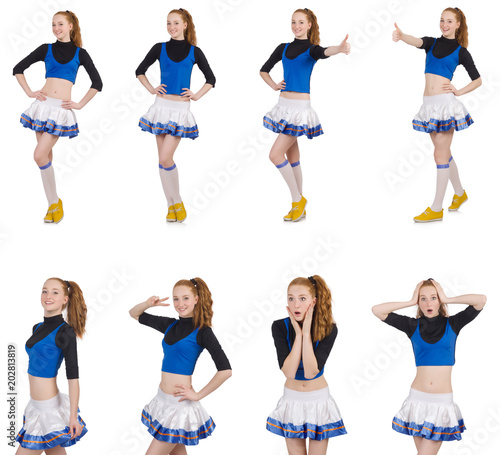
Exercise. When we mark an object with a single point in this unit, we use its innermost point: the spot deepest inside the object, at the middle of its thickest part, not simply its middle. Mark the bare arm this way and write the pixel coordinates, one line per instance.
(188, 393)
(291, 363)
(160, 90)
(136, 311)
(476, 300)
(398, 35)
(269, 81)
(39, 95)
(448, 87)
(383, 310)
(344, 47)
(196, 96)
(74, 397)
(68, 104)
(309, 360)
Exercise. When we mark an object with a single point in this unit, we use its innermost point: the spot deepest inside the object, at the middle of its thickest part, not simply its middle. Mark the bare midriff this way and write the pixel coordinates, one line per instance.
(58, 88)
(169, 381)
(306, 386)
(434, 84)
(42, 388)
(433, 379)
(173, 97)
(295, 95)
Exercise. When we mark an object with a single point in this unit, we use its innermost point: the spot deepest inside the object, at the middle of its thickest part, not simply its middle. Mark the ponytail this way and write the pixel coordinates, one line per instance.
(75, 33)
(313, 32)
(203, 309)
(323, 322)
(462, 33)
(76, 309)
(190, 32)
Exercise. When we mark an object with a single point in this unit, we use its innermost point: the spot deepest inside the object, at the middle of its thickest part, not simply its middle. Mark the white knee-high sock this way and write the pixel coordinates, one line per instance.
(172, 181)
(287, 173)
(455, 179)
(49, 183)
(443, 175)
(163, 178)
(297, 172)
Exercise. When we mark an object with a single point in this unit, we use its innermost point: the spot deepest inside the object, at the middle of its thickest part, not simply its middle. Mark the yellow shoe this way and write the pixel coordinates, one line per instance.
(428, 215)
(457, 202)
(299, 209)
(48, 217)
(171, 215)
(180, 212)
(57, 212)
(288, 216)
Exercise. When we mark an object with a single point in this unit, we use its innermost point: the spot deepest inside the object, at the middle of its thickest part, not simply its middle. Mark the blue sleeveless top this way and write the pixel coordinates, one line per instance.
(62, 71)
(445, 66)
(297, 72)
(300, 370)
(440, 353)
(181, 357)
(45, 357)
(176, 75)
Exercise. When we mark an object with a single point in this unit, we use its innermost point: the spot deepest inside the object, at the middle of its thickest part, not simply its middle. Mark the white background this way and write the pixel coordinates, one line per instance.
(365, 178)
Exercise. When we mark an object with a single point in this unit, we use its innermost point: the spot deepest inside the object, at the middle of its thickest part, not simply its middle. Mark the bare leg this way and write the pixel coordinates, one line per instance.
(296, 446)
(167, 145)
(442, 154)
(417, 440)
(318, 447)
(179, 449)
(160, 448)
(43, 158)
(22, 451)
(293, 157)
(56, 451)
(277, 155)
(428, 447)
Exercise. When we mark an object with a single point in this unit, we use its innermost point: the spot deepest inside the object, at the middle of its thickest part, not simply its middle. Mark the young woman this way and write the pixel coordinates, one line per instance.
(442, 114)
(293, 116)
(174, 417)
(169, 118)
(51, 420)
(429, 413)
(303, 343)
(51, 115)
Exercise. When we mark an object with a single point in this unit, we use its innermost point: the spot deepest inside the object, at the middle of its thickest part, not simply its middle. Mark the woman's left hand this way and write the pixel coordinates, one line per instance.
(188, 94)
(75, 428)
(68, 104)
(187, 393)
(306, 326)
(449, 88)
(344, 46)
(439, 289)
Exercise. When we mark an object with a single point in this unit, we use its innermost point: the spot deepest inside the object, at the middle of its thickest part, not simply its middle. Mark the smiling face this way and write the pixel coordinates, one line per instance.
(300, 25)
(176, 26)
(428, 301)
(448, 24)
(61, 28)
(299, 300)
(184, 301)
(53, 299)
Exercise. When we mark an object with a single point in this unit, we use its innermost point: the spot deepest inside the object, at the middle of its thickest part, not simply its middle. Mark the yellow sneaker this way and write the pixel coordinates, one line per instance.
(288, 216)
(57, 212)
(48, 217)
(457, 202)
(428, 215)
(180, 212)
(299, 209)
(171, 215)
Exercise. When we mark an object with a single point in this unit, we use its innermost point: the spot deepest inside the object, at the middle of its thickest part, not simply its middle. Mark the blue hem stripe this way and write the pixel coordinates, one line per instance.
(443, 166)
(293, 130)
(49, 441)
(49, 126)
(46, 166)
(160, 166)
(279, 166)
(307, 430)
(171, 168)
(177, 436)
(451, 157)
(427, 430)
(442, 125)
(171, 128)
(295, 164)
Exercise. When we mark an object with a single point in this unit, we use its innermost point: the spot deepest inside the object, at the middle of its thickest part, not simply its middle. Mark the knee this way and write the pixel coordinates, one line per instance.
(276, 157)
(41, 159)
(167, 162)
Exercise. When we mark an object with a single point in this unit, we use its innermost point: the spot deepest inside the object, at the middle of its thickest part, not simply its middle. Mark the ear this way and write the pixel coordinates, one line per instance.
(196, 299)
(314, 300)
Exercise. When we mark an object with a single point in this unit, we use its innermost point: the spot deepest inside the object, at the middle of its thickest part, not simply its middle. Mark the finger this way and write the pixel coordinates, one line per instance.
(397, 28)
(345, 39)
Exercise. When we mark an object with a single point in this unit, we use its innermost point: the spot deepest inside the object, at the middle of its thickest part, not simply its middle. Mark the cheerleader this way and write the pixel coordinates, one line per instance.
(429, 414)
(51, 115)
(174, 417)
(303, 343)
(293, 116)
(51, 420)
(441, 113)
(169, 118)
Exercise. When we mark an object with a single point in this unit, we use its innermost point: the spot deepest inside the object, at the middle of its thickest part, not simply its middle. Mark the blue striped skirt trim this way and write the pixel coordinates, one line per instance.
(427, 430)
(293, 130)
(56, 438)
(49, 126)
(171, 128)
(306, 430)
(177, 435)
(440, 126)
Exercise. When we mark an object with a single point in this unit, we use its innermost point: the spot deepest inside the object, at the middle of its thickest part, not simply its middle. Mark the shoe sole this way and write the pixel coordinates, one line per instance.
(456, 210)
(171, 221)
(427, 221)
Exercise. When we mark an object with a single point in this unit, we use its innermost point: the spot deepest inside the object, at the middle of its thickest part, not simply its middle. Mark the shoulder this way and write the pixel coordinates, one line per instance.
(35, 326)
(279, 327)
(281, 322)
(67, 331)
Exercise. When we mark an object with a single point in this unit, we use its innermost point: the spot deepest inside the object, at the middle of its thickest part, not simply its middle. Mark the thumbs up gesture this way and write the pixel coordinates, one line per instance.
(397, 34)
(344, 46)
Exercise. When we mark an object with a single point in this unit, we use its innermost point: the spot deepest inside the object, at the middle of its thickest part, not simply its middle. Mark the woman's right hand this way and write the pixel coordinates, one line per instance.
(397, 34)
(39, 95)
(160, 90)
(280, 86)
(416, 292)
(156, 301)
(295, 324)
